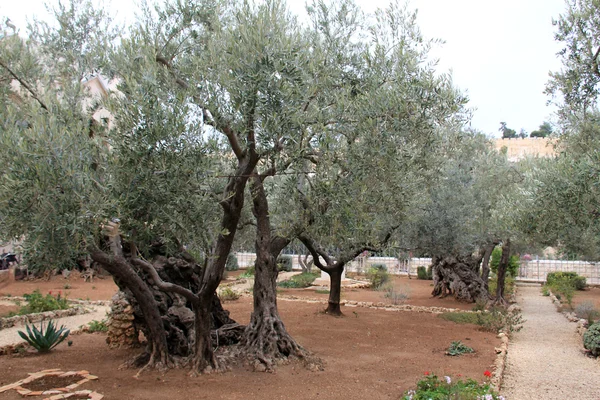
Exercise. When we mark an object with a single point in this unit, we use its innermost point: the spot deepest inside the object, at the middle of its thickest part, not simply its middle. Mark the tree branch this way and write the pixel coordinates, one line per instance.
(162, 285)
(24, 84)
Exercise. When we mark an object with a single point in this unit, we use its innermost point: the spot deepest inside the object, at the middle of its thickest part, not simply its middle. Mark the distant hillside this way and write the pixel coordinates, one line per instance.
(519, 148)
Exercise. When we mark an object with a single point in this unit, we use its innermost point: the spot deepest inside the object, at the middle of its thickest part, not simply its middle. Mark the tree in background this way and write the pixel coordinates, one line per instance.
(507, 133)
(543, 131)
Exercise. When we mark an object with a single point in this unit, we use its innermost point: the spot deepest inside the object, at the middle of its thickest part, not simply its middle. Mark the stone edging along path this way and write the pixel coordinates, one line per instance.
(78, 309)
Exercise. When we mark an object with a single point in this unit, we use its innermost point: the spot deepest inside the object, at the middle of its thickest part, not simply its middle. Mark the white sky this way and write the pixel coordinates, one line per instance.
(500, 52)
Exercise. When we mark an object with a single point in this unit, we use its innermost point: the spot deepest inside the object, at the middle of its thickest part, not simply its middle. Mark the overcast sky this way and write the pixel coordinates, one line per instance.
(499, 52)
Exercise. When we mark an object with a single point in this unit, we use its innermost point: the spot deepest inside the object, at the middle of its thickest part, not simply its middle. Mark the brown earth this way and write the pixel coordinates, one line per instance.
(368, 353)
(419, 294)
(74, 287)
(590, 294)
(6, 310)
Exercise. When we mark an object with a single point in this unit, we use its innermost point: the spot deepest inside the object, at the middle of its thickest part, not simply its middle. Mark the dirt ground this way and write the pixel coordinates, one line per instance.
(75, 288)
(5, 310)
(419, 294)
(590, 294)
(368, 353)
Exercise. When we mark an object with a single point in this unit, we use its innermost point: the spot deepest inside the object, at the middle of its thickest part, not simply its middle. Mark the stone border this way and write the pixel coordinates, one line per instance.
(582, 323)
(10, 322)
(378, 305)
(59, 393)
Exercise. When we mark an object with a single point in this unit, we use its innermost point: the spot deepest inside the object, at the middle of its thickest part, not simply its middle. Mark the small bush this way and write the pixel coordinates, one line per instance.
(37, 303)
(554, 278)
(495, 320)
(228, 294)
(591, 339)
(509, 285)
(564, 290)
(545, 290)
(248, 273)
(284, 263)
(302, 280)
(458, 348)
(396, 295)
(424, 273)
(232, 263)
(433, 388)
(480, 305)
(378, 275)
(44, 339)
(588, 311)
(97, 326)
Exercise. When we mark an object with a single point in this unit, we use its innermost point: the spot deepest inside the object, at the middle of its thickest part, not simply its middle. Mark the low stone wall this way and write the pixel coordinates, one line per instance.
(121, 329)
(21, 320)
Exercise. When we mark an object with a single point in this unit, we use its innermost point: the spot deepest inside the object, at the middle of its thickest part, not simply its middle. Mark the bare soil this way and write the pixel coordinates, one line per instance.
(419, 294)
(5, 310)
(50, 382)
(74, 287)
(369, 353)
(591, 294)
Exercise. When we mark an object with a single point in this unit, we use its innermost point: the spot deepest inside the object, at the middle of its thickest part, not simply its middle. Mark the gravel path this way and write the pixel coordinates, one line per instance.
(546, 359)
(10, 336)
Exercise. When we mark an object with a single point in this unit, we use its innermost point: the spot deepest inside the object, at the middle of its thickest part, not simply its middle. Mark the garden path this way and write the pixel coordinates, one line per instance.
(546, 358)
(10, 336)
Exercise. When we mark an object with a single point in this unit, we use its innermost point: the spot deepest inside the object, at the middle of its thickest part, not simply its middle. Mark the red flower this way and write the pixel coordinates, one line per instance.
(50, 292)
(487, 373)
(426, 372)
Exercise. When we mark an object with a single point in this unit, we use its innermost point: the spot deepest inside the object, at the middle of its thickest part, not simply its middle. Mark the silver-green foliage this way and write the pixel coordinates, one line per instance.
(45, 338)
(591, 339)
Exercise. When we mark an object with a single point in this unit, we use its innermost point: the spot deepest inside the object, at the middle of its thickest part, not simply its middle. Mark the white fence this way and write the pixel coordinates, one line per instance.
(537, 270)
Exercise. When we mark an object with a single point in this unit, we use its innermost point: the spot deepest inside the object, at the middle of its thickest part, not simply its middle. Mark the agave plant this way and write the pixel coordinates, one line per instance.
(44, 339)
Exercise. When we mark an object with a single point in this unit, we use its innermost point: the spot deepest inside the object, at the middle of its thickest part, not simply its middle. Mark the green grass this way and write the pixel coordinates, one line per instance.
(302, 280)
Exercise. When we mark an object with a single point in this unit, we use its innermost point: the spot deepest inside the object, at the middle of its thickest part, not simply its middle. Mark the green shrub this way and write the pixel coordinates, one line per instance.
(284, 263)
(564, 289)
(495, 320)
(424, 273)
(248, 273)
(591, 339)
(378, 275)
(433, 388)
(44, 339)
(480, 304)
(458, 348)
(588, 311)
(228, 294)
(97, 326)
(37, 303)
(232, 263)
(545, 290)
(302, 280)
(578, 282)
(513, 262)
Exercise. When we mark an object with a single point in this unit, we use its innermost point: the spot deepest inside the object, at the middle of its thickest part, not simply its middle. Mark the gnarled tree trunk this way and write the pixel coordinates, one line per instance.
(458, 276)
(266, 339)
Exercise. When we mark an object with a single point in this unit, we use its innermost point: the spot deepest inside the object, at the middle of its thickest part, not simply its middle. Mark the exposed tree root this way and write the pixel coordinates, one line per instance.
(267, 343)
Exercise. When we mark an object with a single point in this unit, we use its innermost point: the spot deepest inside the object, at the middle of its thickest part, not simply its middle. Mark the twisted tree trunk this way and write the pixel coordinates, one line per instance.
(502, 268)
(266, 339)
(458, 276)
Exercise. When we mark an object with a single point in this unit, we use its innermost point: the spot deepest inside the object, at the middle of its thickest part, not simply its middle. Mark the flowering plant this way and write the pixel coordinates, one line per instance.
(433, 388)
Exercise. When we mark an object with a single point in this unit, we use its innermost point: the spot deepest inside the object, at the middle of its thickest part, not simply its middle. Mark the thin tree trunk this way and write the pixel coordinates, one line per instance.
(485, 266)
(335, 290)
(502, 268)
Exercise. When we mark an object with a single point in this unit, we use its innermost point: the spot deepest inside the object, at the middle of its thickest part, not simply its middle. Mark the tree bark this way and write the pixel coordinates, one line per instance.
(119, 268)
(458, 276)
(502, 268)
(485, 266)
(335, 291)
(266, 339)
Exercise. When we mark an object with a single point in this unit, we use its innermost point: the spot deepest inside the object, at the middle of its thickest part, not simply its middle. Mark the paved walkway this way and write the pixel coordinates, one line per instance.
(10, 336)
(546, 359)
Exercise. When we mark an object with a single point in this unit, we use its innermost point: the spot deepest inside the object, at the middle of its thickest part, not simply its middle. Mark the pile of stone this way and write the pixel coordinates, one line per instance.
(122, 331)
